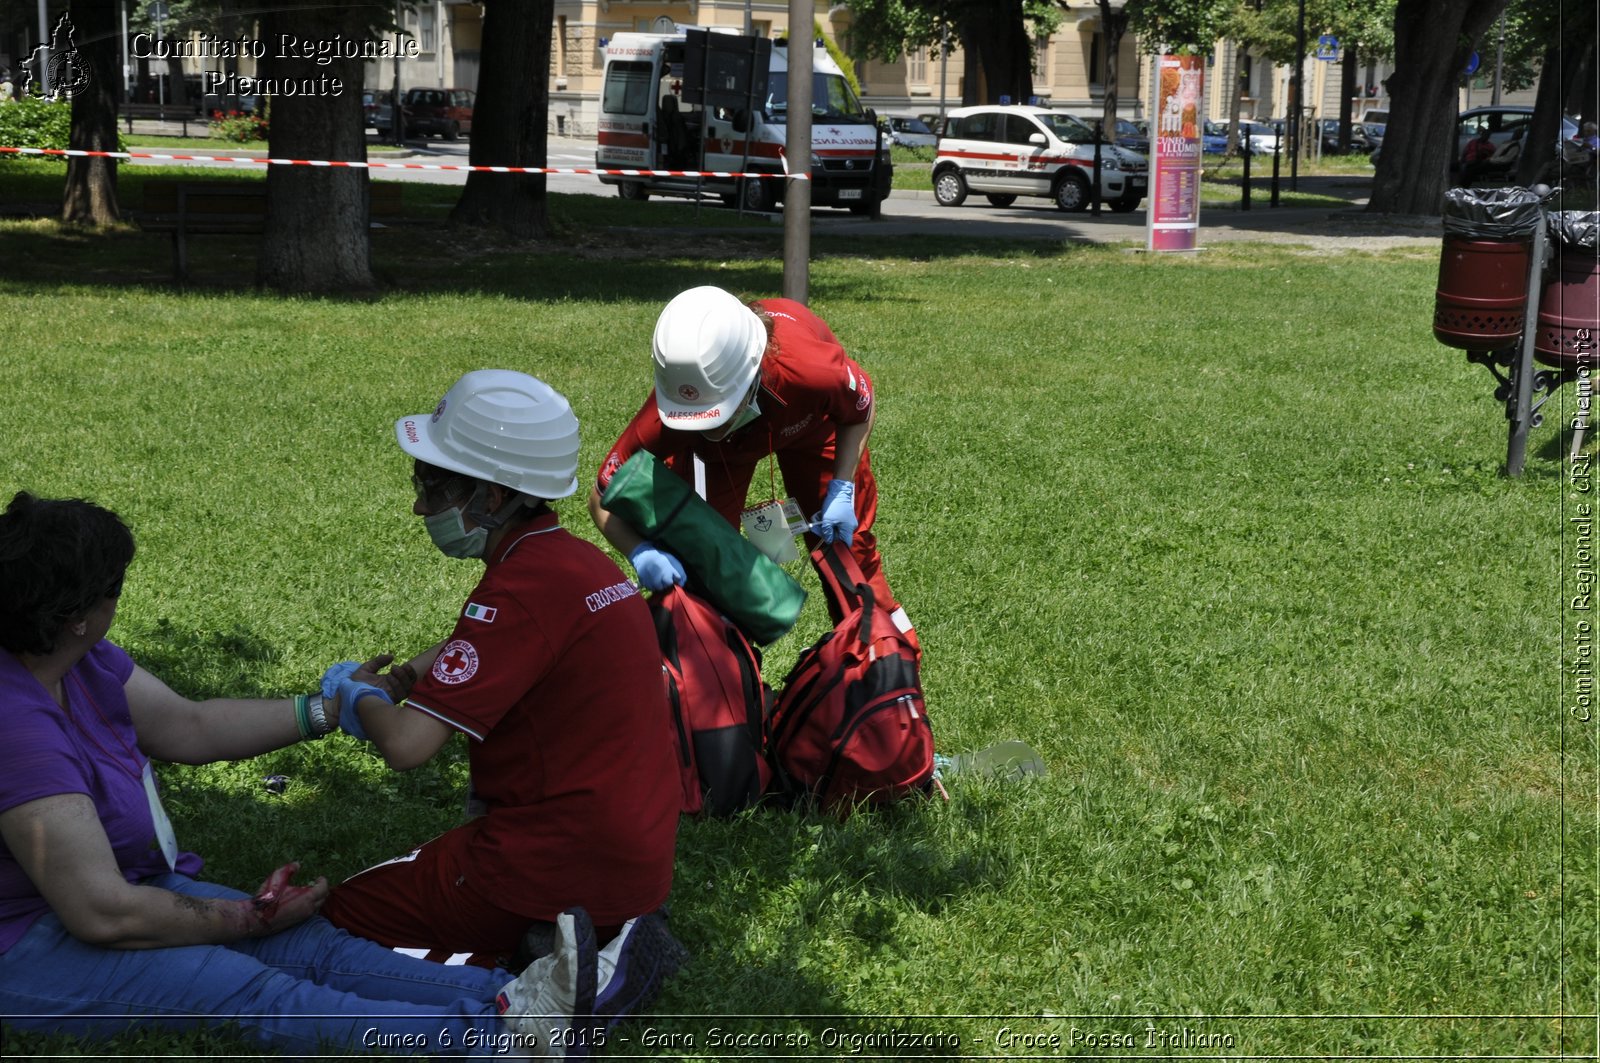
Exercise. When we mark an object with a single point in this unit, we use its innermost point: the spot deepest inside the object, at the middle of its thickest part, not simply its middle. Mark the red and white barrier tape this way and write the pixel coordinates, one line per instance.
(443, 167)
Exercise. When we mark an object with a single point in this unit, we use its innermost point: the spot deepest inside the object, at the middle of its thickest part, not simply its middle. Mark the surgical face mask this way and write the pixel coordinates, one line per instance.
(746, 413)
(449, 533)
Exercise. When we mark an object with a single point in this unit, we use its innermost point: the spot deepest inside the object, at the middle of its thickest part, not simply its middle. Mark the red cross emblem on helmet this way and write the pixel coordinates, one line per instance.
(456, 663)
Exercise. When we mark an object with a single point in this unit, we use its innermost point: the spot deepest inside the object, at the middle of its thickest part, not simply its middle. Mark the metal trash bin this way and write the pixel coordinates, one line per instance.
(1482, 295)
(1569, 307)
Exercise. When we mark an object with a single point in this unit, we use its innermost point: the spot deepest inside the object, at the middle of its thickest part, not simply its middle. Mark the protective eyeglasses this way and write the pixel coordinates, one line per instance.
(436, 492)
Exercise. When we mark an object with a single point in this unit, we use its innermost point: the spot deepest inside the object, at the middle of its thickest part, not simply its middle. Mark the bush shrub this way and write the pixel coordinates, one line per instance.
(30, 122)
(238, 126)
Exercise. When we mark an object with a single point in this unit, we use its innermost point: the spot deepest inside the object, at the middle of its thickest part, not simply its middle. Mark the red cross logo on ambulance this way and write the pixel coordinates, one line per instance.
(456, 663)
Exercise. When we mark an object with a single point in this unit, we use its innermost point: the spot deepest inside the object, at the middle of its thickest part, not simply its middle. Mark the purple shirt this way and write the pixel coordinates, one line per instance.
(89, 749)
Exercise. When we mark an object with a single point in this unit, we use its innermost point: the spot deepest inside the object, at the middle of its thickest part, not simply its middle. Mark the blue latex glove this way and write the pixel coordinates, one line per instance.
(350, 692)
(838, 517)
(657, 569)
(336, 674)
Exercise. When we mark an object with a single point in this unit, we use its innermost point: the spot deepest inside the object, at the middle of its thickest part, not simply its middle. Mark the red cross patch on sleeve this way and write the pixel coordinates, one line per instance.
(456, 663)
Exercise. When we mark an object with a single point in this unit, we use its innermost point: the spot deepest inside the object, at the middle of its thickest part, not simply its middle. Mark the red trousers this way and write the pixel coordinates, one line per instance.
(427, 902)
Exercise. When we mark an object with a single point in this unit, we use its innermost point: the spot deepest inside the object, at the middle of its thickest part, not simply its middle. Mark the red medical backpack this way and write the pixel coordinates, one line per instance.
(850, 725)
(719, 704)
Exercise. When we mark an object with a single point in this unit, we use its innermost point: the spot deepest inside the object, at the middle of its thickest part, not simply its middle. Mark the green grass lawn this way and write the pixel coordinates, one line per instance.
(1223, 536)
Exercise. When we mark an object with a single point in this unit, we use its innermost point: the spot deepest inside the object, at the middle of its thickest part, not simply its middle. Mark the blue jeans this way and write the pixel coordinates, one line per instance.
(310, 990)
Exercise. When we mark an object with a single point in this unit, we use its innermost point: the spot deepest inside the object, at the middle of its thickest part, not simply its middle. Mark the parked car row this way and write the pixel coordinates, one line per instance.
(908, 130)
(1502, 123)
(1328, 135)
(1134, 136)
(1003, 152)
(424, 112)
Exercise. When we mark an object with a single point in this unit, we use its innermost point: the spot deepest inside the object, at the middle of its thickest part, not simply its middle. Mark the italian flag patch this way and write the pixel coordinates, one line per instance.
(486, 613)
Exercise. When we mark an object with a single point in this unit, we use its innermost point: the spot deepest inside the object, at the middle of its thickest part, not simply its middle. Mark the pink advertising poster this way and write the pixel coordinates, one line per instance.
(1173, 210)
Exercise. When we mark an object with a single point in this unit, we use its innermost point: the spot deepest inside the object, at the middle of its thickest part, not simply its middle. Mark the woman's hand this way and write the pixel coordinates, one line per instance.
(278, 906)
(369, 673)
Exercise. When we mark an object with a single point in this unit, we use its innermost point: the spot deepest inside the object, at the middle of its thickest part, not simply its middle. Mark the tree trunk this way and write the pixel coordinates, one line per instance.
(998, 43)
(177, 87)
(91, 192)
(1236, 101)
(1432, 40)
(508, 121)
(1544, 126)
(230, 25)
(1347, 91)
(316, 237)
(1113, 24)
(1583, 91)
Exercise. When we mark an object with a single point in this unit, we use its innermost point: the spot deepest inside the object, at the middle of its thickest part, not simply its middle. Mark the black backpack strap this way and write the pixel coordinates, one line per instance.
(750, 682)
(664, 615)
(844, 584)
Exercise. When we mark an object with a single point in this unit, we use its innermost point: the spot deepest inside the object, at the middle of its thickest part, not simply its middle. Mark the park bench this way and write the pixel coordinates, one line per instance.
(190, 207)
(162, 112)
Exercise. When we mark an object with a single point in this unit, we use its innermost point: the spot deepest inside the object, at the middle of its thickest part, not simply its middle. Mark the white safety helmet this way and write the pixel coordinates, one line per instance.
(502, 426)
(708, 348)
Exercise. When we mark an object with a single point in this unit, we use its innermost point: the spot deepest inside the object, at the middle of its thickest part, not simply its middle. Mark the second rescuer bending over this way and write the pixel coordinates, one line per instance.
(735, 383)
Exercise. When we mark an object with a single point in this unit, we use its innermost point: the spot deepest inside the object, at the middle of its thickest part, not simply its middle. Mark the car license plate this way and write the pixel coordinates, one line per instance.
(1138, 182)
(849, 193)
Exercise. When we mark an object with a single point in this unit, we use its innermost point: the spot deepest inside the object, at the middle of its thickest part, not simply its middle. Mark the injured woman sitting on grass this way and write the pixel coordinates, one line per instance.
(105, 924)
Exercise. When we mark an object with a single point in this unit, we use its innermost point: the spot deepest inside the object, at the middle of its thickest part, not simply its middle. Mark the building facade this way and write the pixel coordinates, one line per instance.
(1069, 65)
(1069, 74)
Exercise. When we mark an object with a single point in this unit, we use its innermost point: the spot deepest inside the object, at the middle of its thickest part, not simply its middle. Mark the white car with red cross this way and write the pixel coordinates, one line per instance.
(1003, 152)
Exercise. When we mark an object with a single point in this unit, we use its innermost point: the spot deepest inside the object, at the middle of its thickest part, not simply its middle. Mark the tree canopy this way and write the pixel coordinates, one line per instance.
(1432, 41)
(1178, 26)
(1272, 26)
(996, 35)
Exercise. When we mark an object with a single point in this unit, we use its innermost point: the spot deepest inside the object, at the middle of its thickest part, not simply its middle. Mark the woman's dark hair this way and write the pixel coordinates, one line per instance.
(767, 323)
(59, 558)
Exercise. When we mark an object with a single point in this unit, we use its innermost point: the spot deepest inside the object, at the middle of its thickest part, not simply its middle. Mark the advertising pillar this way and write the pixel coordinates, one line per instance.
(1172, 213)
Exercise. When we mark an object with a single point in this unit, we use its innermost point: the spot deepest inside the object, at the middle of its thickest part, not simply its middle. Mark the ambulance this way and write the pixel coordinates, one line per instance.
(647, 123)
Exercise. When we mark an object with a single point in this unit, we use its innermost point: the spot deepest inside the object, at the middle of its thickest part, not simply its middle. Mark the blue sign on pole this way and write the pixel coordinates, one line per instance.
(1473, 62)
(1328, 47)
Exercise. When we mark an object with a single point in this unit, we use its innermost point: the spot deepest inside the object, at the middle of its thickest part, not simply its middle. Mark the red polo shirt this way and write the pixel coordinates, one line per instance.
(553, 673)
(809, 387)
